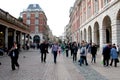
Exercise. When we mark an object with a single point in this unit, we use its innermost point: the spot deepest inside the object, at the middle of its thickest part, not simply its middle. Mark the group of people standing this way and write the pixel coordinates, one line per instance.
(110, 52)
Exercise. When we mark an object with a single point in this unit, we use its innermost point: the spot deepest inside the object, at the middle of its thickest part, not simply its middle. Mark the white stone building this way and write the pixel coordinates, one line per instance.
(96, 20)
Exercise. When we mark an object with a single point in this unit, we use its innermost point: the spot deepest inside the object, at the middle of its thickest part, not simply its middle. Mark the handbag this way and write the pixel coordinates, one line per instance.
(117, 60)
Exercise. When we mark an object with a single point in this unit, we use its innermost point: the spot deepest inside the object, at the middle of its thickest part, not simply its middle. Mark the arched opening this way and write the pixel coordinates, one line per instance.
(107, 30)
(96, 33)
(36, 39)
(118, 15)
(89, 34)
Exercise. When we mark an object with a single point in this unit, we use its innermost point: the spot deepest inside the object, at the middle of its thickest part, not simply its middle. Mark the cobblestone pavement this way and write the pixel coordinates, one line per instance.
(31, 68)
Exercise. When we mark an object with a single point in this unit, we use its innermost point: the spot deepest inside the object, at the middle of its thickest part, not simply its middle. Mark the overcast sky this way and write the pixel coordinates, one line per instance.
(57, 11)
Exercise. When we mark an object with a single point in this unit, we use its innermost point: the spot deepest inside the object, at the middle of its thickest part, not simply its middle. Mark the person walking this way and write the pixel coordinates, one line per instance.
(71, 48)
(114, 56)
(14, 54)
(93, 52)
(83, 54)
(67, 49)
(55, 48)
(106, 54)
(44, 51)
(75, 49)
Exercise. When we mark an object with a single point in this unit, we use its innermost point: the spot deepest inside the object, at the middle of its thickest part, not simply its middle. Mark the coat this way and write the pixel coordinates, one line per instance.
(83, 51)
(75, 49)
(14, 53)
(113, 53)
(44, 48)
(106, 52)
(94, 50)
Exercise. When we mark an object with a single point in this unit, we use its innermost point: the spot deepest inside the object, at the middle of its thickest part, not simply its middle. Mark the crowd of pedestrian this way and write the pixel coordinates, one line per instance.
(110, 52)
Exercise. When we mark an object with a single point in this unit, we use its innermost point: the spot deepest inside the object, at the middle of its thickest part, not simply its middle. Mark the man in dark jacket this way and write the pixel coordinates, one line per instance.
(106, 54)
(67, 49)
(44, 50)
(75, 50)
(93, 52)
(14, 54)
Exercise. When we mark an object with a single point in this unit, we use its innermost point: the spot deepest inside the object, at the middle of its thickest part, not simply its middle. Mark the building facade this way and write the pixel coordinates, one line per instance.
(35, 17)
(11, 29)
(68, 33)
(96, 21)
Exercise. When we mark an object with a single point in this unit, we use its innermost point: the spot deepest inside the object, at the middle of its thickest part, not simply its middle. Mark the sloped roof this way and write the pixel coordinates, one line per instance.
(34, 7)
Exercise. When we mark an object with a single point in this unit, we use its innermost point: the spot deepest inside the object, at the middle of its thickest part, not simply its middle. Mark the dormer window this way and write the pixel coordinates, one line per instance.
(34, 5)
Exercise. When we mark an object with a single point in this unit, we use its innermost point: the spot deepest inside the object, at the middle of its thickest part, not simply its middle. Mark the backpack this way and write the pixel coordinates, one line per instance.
(82, 50)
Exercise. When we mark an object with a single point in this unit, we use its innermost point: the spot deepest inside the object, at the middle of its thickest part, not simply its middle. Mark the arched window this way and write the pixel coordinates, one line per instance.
(36, 39)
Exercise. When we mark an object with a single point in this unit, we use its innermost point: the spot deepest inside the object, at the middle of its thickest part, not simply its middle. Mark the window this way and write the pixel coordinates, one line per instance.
(89, 11)
(28, 22)
(34, 5)
(36, 29)
(36, 15)
(28, 15)
(36, 21)
(96, 6)
(84, 16)
(106, 1)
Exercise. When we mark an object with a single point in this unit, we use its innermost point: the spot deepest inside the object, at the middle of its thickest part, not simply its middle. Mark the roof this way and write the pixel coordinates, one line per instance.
(34, 7)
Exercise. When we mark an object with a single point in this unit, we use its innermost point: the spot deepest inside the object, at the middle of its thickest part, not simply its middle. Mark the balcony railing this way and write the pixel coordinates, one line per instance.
(10, 19)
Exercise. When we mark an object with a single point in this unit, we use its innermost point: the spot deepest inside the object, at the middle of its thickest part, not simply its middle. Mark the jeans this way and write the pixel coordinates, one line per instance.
(55, 56)
(82, 59)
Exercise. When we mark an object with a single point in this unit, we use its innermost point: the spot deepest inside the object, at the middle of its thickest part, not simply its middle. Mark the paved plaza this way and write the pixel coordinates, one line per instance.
(31, 68)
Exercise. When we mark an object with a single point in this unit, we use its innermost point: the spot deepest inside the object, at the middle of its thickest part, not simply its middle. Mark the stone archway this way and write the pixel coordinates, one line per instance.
(107, 32)
(85, 34)
(118, 16)
(89, 34)
(36, 39)
(96, 33)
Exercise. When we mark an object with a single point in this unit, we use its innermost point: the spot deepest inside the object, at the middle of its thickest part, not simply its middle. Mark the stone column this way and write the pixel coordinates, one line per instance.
(21, 43)
(24, 42)
(28, 39)
(15, 35)
(6, 37)
(115, 31)
(93, 36)
(102, 38)
(118, 31)
(87, 38)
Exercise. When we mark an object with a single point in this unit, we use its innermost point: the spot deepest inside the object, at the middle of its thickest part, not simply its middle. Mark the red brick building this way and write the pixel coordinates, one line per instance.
(35, 17)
